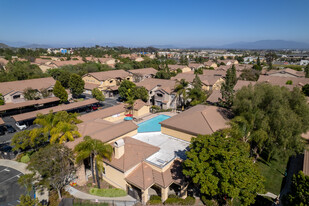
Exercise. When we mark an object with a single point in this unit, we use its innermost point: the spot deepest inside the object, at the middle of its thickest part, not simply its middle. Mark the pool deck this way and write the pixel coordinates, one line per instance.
(170, 147)
(150, 116)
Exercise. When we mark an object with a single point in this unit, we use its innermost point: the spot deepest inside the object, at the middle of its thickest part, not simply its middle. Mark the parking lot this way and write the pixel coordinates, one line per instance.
(10, 190)
(10, 121)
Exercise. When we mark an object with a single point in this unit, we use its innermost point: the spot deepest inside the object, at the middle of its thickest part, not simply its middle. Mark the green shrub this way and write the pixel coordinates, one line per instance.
(208, 202)
(154, 202)
(19, 156)
(25, 159)
(155, 197)
(114, 192)
(289, 82)
(89, 184)
(188, 201)
(172, 196)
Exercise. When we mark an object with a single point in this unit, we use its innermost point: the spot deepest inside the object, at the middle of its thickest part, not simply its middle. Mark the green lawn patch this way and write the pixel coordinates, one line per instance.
(291, 66)
(89, 204)
(113, 192)
(273, 173)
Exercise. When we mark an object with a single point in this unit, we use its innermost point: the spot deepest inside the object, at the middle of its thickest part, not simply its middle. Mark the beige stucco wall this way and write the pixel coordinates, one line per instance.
(90, 79)
(142, 111)
(218, 84)
(114, 119)
(114, 177)
(177, 134)
(186, 69)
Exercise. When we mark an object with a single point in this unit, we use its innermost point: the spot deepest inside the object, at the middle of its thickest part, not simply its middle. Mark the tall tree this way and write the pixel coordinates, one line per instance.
(196, 94)
(299, 193)
(181, 90)
(27, 200)
(124, 87)
(60, 92)
(96, 150)
(222, 169)
(307, 71)
(275, 118)
(97, 94)
(55, 166)
(31, 94)
(227, 88)
(76, 85)
(1, 99)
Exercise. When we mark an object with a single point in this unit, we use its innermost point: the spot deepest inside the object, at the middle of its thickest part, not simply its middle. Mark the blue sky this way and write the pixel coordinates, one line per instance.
(153, 22)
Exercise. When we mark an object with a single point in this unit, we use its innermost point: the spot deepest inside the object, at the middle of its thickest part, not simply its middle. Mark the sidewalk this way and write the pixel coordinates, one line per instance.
(22, 167)
(126, 200)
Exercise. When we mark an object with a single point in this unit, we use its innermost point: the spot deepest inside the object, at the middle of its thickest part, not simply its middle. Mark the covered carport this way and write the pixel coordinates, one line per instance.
(30, 116)
(27, 106)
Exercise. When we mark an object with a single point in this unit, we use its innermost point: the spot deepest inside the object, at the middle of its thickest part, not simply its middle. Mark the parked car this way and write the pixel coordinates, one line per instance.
(2, 130)
(21, 125)
(94, 106)
(9, 128)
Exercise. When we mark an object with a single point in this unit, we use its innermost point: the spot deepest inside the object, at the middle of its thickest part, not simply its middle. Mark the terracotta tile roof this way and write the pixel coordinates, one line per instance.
(1, 121)
(150, 83)
(242, 83)
(288, 71)
(112, 74)
(9, 106)
(145, 71)
(200, 119)
(281, 81)
(69, 62)
(195, 65)
(306, 163)
(138, 104)
(14, 86)
(214, 97)
(106, 132)
(143, 176)
(209, 63)
(63, 107)
(189, 77)
(90, 86)
(135, 152)
(3, 61)
(175, 67)
(103, 113)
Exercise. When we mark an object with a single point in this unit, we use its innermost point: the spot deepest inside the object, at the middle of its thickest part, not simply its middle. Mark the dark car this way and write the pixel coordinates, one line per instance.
(2, 130)
(10, 129)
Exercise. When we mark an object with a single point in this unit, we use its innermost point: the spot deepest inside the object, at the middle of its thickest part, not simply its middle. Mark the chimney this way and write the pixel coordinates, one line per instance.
(119, 148)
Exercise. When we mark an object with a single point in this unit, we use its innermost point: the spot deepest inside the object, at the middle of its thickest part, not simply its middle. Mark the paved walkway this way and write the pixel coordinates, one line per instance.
(22, 167)
(126, 200)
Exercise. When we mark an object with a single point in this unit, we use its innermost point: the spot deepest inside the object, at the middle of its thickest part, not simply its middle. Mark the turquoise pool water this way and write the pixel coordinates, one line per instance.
(152, 125)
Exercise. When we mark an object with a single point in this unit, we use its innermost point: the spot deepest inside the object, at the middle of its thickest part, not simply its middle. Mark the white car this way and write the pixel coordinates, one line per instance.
(21, 126)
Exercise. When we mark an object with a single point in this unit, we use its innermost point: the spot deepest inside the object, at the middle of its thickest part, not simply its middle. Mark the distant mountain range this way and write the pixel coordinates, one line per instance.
(263, 44)
(267, 44)
(3, 45)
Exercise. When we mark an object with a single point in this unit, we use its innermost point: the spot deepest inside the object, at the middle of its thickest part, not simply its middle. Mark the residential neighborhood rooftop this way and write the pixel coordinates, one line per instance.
(201, 119)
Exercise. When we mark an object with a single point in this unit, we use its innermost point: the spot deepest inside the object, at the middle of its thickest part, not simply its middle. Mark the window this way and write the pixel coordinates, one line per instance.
(150, 92)
(16, 96)
(160, 95)
(111, 81)
(128, 78)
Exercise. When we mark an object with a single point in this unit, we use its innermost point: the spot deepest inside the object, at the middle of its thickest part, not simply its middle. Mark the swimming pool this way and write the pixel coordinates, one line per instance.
(152, 125)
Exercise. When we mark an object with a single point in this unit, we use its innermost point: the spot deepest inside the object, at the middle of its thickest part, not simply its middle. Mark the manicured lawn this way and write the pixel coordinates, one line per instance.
(89, 204)
(273, 173)
(113, 192)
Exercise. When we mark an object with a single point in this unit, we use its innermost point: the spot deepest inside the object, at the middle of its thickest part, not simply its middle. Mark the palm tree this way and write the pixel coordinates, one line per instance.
(96, 150)
(61, 122)
(181, 89)
(63, 132)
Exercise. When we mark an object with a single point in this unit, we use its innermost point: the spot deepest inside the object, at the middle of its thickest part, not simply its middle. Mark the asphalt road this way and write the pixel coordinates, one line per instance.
(10, 190)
